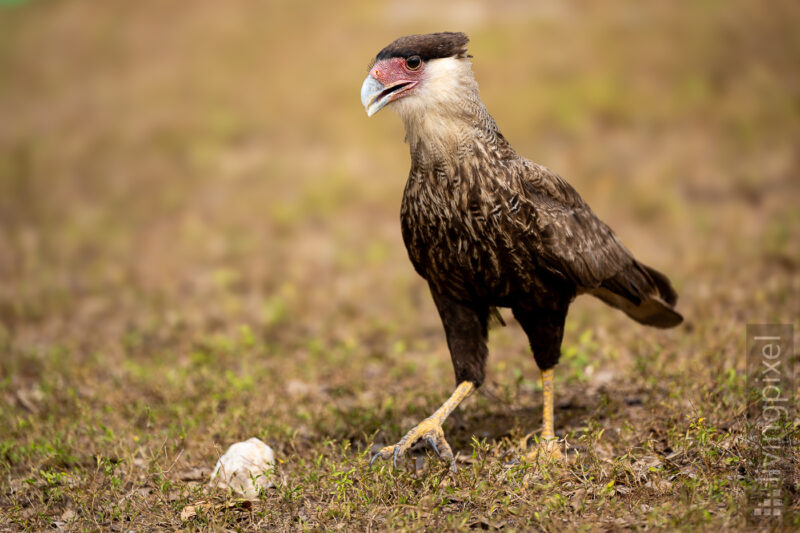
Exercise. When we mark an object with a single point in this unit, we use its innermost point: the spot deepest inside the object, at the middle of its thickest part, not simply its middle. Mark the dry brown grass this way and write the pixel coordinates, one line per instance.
(199, 243)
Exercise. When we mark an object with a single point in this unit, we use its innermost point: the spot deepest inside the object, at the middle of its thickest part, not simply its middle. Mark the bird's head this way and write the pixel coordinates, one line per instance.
(418, 72)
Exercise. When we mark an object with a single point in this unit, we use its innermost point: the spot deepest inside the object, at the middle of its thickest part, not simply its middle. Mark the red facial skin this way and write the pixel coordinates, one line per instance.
(390, 72)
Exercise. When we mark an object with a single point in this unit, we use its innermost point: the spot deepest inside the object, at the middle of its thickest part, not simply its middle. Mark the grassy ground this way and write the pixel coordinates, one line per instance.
(199, 243)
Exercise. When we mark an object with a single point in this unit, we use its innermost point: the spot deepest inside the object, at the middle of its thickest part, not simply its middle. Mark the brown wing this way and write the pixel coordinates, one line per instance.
(573, 241)
(578, 246)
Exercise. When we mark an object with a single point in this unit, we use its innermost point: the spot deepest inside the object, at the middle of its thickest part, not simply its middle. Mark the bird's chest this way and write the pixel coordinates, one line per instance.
(451, 235)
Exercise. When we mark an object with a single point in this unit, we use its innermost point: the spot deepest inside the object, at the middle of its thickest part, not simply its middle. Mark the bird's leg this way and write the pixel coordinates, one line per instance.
(430, 429)
(548, 445)
(548, 433)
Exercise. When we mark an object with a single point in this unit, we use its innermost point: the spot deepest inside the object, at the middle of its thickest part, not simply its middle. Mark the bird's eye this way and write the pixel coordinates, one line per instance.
(413, 62)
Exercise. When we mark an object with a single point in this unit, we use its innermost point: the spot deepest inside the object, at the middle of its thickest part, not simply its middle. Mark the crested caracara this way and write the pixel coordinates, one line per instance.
(488, 228)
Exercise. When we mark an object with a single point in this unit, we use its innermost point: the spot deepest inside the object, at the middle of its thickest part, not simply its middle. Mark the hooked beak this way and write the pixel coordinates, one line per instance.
(374, 95)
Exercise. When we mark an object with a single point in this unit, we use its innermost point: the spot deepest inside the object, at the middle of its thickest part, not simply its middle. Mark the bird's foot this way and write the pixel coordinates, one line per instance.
(545, 450)
(429, 429)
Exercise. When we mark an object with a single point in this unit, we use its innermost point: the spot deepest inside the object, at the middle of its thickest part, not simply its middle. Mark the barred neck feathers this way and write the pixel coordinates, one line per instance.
(445, 114)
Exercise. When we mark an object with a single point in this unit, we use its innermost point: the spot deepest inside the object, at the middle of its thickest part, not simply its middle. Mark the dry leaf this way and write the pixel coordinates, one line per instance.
(195, 474)
(190, 511)
(577, 498)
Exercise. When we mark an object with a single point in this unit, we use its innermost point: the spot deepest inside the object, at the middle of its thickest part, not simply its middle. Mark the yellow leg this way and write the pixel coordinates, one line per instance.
(430, 429)
(548, 444)
(547, 397)
(463, 390)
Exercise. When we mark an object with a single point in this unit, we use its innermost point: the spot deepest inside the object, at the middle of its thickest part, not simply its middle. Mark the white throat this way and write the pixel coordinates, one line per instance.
(442, 109)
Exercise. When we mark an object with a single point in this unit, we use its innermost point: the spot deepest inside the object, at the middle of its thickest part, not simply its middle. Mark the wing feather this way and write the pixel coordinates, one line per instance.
(573, 243)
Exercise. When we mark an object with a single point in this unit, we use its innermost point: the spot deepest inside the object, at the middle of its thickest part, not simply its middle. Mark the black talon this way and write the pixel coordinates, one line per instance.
(432, 444)
(374, 457)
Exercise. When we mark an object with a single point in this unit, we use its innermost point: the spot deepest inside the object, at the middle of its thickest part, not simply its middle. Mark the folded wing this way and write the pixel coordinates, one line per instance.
(575, 244)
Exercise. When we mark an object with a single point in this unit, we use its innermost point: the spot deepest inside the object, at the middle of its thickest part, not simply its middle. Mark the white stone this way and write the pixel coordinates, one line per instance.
(246, 468)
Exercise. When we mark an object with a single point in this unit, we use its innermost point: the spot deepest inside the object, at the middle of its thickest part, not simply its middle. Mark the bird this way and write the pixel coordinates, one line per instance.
(488, 229)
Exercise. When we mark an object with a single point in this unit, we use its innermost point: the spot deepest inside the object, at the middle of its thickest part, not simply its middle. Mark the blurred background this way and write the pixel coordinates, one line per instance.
(158, 161)
(197, 217)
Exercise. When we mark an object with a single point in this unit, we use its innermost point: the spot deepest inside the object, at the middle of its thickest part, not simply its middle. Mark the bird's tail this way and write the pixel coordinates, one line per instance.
(643, 293)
